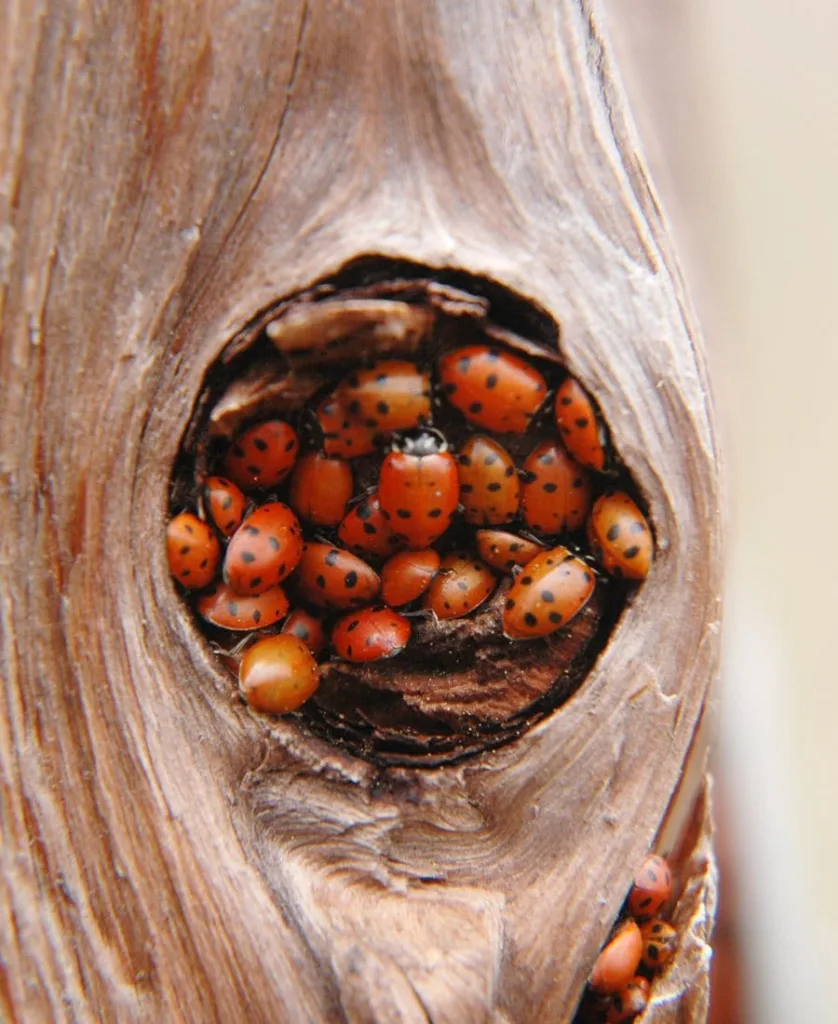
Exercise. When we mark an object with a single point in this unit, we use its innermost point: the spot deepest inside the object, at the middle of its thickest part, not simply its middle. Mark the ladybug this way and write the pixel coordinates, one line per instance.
(391, 395)
(652, 887)
(492, 388)
(418, 488)
(659, 942)
(225, 503)
(629, 1001)
(320, 488)
(343, 437)
(264, 550)
(278, 674)
(619, 535)
(579, 425)
(617, 964)
(370, 635)
(366, 532)
(222, 606)
(193, 551)
(503, 551)
(556, 493)
(546, 594)
(308, 627)
(331, 578)
(489, 487)
(462, 584)
(262, 456)
(406, 576)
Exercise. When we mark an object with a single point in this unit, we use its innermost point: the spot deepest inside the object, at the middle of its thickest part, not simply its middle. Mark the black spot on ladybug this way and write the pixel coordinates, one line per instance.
(613, 532)
(321, 582)
(582, 422)
(274, 543)
(248, 557)
(350, 579)
(404, 513)
(586, 576)
(257, 615)
(353, 625)
(652, 951)
(494, 486)
(290, 445)
(465, 460)
(509, 471)
(349, 650)
(491, 380)
(204, 563)
(466, 488)
(382, 407)
(185, 549)
(526, 580)
(260, 444)
(434, 513)
(331, 557)
(449, 389)
(550, 488)
(548, 596)
(510, 603)
(282, 569)
(232, 608)
(185, 573)
(631, 552)
(530, 619)
(354, 407)
(565, 400)
(555, 617)
(577, 483)
(476, 407)
(256, 581)
(369, 529)
(372, 424)
(254, 470)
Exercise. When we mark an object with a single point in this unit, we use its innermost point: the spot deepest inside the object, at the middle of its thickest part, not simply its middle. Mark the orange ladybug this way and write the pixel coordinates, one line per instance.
(546, 594)
(489, 487)
(331, 578)
(652, 887)
(278, 674)
(366, 532)
(370, 635)
(629, 1001)
(226, 504)
(320, 488)
(264, 550)
(660, 940)
(617, 964)
(556, 493)
(308, 627)
(492, 388)
(222, 606)
(343, 437)
(504, 551)
(579, 425)
(462, 584)
(418, 488)
(406, 576)
(262, 456)
(193, 551)
(619, 535)
(392, 394)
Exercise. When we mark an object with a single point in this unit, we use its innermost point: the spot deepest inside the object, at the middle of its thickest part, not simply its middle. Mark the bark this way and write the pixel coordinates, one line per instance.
(166, 172)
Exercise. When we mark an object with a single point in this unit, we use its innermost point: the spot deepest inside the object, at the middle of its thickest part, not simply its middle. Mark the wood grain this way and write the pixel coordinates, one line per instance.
(168, 170)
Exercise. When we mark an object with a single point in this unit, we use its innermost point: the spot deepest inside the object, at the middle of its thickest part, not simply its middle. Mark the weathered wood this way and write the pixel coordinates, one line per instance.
(169, 170)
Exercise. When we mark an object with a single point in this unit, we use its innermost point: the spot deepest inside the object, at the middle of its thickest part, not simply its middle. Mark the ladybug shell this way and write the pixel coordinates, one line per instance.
(343, 437)
(489, 487)
(617, 964)
(407, 575)
(331, 578)
(278, 674)
(652, 887)
(391, 395)
(226, 504)
(556, 494)
(370, 635)
(494, 389)
(193, 551)
(264, 550)
(262, 456)
(462, 584)
(578, 424)
(619, 535)
(660, 940)
(502, 551)
(629, 1001)
(546, 594)
(366, 532)
(320, 488)
(222, 606)
(418, 495)
(308, 627)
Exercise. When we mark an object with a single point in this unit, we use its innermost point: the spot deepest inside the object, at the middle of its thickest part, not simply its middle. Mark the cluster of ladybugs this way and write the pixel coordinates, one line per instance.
(641, 945)
(351, 560)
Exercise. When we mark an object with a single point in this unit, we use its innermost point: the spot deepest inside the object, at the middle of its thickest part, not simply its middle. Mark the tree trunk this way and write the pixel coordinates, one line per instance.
(168, 171)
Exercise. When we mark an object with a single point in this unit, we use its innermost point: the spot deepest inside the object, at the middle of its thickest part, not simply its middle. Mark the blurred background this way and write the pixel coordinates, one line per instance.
(736, 102)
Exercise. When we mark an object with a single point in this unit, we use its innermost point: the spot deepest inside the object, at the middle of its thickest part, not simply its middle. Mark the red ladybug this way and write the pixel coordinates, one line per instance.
(577, 421)
(370, 635)
(343, 437)
(406, 576)
(278, 674)
(652, 887)
(419, 489)
(660, 940)
(226, 504)
(193, 551)
(320, 488)
(262, 456)
(391, 395)
(492, 388)
(629, 1001)
(331, 578)
(617, 964)
(366, 532)
(556, 494)
(503, 551)
(619, 535)
(264, 550)
(222, 606)
(462, 584)
(308, 627)
(489, 487)
(546, 594)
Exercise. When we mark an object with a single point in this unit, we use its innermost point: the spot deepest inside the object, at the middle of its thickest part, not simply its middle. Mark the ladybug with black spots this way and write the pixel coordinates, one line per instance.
(264, 550)
(193, 551)
(578, 423)
(620, 538)
(489, 485)
(391, 395)
(370, 635)
(262, 456)
(492, 388)
(547, 593)
(329, 577)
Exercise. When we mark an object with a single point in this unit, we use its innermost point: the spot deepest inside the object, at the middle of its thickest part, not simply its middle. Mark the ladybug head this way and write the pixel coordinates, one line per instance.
(425, 441)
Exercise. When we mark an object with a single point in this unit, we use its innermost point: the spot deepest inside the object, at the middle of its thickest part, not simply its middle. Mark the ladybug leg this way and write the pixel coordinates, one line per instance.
(417, 613)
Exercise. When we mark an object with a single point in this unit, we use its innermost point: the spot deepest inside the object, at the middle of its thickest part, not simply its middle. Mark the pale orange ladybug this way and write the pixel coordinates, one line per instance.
(556, 492)
(546, 594)
(620, 538)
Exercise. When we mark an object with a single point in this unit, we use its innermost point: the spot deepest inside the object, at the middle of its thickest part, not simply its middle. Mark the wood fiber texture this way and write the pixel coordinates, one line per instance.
(167, 170)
